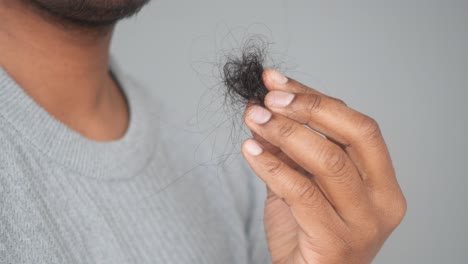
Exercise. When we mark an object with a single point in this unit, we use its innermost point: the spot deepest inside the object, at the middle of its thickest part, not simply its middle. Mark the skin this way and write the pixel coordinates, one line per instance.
(61, 61)
(332, 199)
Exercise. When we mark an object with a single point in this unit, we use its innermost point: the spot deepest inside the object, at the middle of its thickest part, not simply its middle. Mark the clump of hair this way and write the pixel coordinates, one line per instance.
(242, 73)
(237, 67)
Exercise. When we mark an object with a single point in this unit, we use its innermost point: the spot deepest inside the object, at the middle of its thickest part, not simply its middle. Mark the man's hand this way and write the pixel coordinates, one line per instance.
(331, 198)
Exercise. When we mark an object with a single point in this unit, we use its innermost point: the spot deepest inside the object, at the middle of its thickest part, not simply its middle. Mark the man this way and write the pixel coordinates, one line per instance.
(88, 174)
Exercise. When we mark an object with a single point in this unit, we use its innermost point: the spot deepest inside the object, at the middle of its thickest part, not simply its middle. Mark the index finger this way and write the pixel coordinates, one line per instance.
(359, 134)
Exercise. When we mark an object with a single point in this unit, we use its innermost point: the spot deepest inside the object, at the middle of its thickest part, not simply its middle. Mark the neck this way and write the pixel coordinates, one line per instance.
(65, 70)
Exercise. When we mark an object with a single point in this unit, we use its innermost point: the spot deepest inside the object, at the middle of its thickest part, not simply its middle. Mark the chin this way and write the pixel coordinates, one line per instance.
(91, 12)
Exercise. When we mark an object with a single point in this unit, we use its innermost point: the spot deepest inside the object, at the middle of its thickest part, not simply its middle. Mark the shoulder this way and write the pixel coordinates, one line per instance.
(10, 145)
(18, 162)
(14, 153)
(18, 214)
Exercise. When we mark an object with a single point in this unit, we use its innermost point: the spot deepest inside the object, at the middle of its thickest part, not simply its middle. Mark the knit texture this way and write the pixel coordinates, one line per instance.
(143, 198)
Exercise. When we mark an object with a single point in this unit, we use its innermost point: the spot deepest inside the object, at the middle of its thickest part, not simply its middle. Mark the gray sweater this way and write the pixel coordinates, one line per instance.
(150, 197)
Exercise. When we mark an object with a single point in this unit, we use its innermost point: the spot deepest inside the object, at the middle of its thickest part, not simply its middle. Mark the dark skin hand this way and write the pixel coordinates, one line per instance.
(331, 198)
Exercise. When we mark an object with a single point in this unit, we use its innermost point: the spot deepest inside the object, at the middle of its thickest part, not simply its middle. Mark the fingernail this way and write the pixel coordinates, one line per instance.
(259, 114)
(252, 147)
(279, 98)
(277, 77)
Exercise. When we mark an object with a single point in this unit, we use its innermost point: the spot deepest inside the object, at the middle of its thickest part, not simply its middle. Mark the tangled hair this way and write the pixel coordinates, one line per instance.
(242, 73)
(237, 69)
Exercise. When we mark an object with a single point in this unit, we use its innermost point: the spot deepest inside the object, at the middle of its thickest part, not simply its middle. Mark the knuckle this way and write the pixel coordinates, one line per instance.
(339, 101)
(334, 161)
(274, 167)
(314, 103)
(368, 128)
(287, 129)
(398, 212)
(403, 208)
(306, 191)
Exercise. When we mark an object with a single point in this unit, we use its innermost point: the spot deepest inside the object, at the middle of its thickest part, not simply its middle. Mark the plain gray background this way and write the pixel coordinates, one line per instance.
(403, 62)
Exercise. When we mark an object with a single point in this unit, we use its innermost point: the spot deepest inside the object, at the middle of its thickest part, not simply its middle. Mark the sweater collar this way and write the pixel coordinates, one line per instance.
(122, 158)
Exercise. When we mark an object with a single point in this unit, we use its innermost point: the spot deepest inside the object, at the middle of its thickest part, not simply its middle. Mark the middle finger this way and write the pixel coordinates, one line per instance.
(333, 170)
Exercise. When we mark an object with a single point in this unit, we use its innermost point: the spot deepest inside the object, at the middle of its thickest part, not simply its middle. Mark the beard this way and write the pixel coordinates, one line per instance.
(90, 12)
